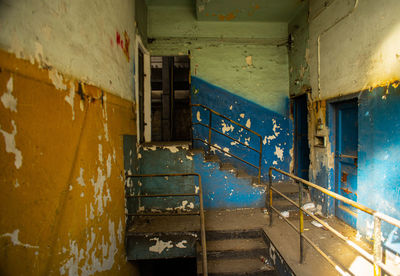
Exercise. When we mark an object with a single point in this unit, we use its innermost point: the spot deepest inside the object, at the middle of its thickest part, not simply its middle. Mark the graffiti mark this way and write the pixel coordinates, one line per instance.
(123, 43)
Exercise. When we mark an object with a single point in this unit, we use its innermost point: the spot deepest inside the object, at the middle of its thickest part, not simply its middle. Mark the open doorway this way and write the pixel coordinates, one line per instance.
(301, 148)
(170, 98)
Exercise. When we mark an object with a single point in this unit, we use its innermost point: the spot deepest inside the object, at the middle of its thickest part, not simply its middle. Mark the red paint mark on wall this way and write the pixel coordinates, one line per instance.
(123, 43)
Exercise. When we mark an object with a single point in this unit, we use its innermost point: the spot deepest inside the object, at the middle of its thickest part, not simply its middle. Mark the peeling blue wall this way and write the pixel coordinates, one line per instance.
(275, 129)
(379, 157)
(378, 173)
(222, 189)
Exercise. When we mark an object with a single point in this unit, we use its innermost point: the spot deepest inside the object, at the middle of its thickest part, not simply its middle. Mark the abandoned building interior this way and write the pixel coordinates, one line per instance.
(200, 137)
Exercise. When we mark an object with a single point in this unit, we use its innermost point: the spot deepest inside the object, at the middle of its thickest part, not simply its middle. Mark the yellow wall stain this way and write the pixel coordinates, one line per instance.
(66, 201)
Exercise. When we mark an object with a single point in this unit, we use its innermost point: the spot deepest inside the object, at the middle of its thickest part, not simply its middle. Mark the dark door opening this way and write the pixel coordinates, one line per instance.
(346, 147)
(168, 267)
(170, 98)
(301, 148)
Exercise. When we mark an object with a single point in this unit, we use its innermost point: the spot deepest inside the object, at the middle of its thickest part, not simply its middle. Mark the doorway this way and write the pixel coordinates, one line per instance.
(170, 98)
(346, 147)
(301, 148)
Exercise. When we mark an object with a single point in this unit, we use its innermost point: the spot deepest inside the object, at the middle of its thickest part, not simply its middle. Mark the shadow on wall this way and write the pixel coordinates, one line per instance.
(275, 129)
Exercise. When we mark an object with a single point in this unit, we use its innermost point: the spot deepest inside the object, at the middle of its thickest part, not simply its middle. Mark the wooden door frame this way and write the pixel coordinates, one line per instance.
(147, 90)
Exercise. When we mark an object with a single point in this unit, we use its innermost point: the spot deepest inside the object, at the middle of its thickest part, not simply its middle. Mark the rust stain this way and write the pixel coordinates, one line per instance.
(344, 177)
(230, 16)
(256, 7)
(347, 191)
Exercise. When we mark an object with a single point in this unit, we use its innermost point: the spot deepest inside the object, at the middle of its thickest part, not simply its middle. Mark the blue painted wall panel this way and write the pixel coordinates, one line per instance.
(379, 155)
(159, 160)
(275, 129)
(221, 189)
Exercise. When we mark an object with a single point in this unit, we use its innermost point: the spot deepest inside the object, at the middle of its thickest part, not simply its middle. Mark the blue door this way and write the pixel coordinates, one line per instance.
(301, 148)
(346, 159)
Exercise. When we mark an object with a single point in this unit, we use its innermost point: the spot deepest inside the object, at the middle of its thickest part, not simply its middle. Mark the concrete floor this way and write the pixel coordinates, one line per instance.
(287, 242)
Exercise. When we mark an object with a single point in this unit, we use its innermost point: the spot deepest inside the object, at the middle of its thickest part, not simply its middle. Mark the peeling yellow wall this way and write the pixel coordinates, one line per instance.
(62, 184)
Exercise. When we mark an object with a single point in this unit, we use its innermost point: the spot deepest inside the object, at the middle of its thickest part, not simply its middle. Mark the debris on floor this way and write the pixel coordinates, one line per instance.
(285, 214)
(316, 224)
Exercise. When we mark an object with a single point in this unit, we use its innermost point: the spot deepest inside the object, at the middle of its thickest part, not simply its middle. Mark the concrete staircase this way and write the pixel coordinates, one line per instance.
(232, 248)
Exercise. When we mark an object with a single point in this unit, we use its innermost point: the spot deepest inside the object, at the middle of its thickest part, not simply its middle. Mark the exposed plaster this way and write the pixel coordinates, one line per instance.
(105, 117)
(57, 79)
(8, 100)
(15, 240)
(9, 139)
(87, 261)
(101, 153)
(172, 149)
(109, 166)
(101, 192)
(249, 60)
(226, 128)
(198, 116)
(160, 245)
(248, 123)
(279, 152)
(181, 244)
(80, 179)
(70, 98)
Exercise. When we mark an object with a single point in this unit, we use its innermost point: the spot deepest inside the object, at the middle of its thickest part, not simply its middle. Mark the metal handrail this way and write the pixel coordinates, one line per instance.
(201, 213)
(375, 259)
(210, 129)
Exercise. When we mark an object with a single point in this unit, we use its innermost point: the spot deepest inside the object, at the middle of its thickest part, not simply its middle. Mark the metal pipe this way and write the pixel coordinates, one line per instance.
(203, 230)
(162, 174)
(301, 219)
(233, 139)
(352, 245)
(377, 245)
(335, 265)
(230, 120)
(270, 197)
(319, 45)
(163, 214)
(235, 156)
(259, 162)
(326, 191)
(162, 195)
(209, 131)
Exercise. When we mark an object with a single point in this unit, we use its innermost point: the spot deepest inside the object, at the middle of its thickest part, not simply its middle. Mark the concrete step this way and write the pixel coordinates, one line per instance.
(237, 267)
(235, 249)
(227, 167)
(211, 158)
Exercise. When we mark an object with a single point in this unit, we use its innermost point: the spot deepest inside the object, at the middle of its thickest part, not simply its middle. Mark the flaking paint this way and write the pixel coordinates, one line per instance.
(83, 234)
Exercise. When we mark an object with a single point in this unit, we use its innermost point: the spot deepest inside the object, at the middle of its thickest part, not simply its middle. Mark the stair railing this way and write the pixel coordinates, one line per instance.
(211, 130)
(375, 258)
(198, 194)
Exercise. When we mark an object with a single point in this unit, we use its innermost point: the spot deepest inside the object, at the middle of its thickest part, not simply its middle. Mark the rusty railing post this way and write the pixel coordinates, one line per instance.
(209, 131)
(203, 229)
(259, 163)
(377, 245)
(270, 196)
(301, 218)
